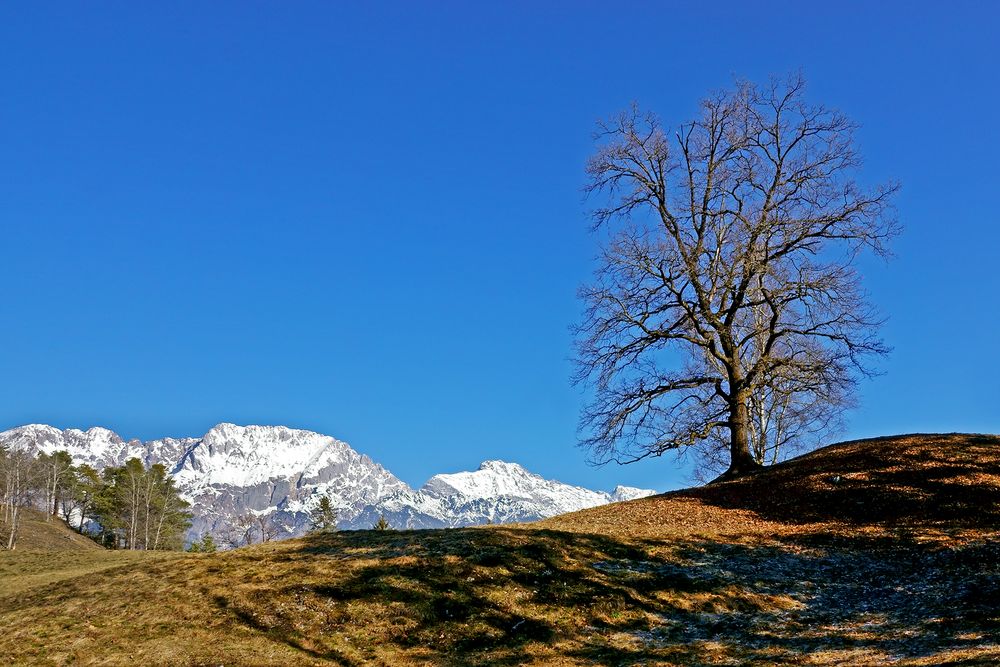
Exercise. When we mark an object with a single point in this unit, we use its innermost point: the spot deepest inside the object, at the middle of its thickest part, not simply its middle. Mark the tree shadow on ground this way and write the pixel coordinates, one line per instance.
(482, 595)
(503, 596)
(916, 480)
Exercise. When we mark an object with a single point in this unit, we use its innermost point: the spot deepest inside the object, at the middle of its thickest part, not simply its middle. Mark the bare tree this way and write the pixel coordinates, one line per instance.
(728, 287)
(269, 529)
(783, 420)
(127, 489)
(19, 479)
(57, 469)
(241, 531)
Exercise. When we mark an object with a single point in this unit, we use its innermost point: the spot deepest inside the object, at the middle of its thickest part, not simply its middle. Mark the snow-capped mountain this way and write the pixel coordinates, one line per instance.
(276, 470)
(498, 492)
(233, 471)
(97, 446)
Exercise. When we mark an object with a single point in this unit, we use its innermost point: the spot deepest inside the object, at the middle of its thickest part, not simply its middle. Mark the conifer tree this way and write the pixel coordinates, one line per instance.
(56, 472)
(84, 486)
(207, 544)
(323, 517)
(141, 509)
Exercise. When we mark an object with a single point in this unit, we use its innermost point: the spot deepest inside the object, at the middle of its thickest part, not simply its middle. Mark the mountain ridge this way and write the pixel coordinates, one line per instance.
(281, 472)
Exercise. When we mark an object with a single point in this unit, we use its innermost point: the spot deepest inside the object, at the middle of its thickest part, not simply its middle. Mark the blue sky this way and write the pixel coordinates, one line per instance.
(366, 219)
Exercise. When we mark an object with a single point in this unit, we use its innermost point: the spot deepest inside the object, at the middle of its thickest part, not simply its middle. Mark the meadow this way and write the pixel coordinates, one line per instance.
(864, 552)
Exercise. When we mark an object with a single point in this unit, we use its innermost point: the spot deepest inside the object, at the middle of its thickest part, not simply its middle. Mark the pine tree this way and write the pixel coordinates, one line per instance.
(323, 517)
(141, 509)
(84, 486)
(56, 471)
(207, 544)
(381, 524)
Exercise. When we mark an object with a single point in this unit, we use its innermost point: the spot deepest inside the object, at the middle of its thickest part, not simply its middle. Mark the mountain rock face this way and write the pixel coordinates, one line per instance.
(238, 471)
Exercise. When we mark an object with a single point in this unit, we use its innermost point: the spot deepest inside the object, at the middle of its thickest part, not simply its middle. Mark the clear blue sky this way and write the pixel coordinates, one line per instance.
(366, 219)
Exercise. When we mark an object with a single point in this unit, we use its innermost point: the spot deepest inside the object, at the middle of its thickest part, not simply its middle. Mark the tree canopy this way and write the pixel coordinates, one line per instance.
(727, 312)
(140, 508)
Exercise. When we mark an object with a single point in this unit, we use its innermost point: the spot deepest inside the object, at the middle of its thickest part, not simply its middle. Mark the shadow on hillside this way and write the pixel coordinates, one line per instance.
(501, 596)
(906, 480)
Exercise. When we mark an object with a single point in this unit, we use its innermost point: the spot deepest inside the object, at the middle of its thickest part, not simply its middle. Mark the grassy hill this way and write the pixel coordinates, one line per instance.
(41, 533)
(860, 553)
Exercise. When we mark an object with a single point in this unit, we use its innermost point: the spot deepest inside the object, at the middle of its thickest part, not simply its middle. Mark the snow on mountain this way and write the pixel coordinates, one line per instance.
(281, 472)
(498, 492)
(275, 470)
(496, 479)
(499, 479)
(623, 493)
(97, 446)
(248, 455)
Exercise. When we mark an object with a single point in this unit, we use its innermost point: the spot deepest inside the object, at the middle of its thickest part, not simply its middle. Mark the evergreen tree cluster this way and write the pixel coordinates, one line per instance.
(127, 507)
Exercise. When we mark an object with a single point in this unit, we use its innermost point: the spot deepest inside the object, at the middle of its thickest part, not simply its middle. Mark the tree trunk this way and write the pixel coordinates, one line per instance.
(741, 461)
(14, 520)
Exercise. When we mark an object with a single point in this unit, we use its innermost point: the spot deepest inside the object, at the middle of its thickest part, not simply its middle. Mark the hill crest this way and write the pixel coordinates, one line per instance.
(921, 480)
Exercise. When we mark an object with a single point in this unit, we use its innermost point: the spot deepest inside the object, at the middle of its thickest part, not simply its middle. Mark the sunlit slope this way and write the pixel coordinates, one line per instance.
(898, 559)
(36, 533)
(949, 482)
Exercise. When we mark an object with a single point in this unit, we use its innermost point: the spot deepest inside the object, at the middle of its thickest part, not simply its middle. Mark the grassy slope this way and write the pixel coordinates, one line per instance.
(898, 559)
(41, 533)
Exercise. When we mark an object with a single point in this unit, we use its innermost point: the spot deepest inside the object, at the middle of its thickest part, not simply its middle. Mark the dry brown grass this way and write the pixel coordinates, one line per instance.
(920, 483)
(898, 560)
(41, 533)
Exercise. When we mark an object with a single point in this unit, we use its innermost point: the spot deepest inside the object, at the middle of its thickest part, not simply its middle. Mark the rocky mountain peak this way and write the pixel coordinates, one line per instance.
(503, 467)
